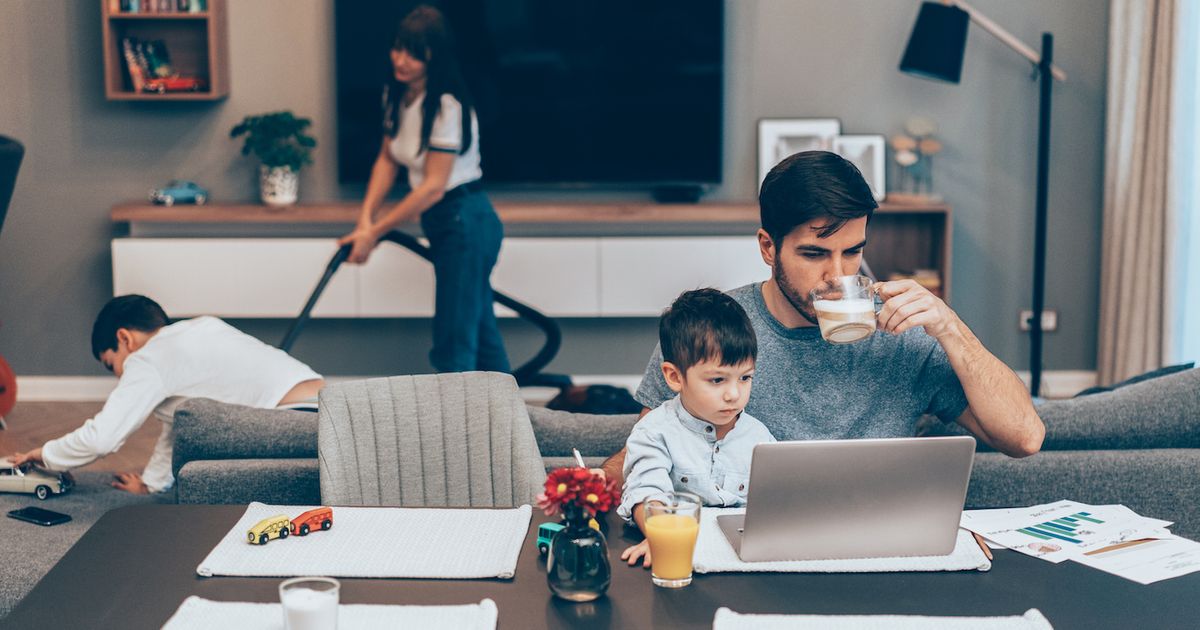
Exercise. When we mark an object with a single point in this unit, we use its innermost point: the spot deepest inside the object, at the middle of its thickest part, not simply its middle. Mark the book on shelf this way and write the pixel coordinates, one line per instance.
(145, 61)
(162, 6)
(134, 64)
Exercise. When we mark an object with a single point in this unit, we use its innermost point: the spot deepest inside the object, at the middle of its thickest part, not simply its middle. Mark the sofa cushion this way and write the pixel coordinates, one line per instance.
(207, 429)
(278, 481)
(557, 432)
(1158, 413)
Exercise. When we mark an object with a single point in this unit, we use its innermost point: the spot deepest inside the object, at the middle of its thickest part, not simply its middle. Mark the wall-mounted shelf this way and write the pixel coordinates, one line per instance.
(196, 42)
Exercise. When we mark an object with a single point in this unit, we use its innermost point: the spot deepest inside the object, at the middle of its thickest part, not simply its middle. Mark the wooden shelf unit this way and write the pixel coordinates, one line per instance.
(198, 44)
(902, 237)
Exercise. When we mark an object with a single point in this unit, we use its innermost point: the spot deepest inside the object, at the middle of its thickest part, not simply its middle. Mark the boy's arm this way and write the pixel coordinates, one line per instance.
(157, 477)
(138, 392)
(647, 470)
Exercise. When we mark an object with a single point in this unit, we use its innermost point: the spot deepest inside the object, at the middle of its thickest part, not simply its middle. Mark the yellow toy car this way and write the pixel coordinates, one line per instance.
(278, 526)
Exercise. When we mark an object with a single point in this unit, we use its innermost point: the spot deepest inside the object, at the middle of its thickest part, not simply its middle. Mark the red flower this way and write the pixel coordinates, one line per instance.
(591, 491)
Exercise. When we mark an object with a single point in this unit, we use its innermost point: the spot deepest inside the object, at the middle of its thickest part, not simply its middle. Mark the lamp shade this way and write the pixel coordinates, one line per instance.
(938, 41)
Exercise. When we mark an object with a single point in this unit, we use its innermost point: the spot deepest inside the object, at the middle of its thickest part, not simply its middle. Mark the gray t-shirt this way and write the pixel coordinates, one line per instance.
(806, 388)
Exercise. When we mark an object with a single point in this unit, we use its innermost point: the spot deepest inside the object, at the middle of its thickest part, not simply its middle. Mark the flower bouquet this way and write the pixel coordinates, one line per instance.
(577, 567)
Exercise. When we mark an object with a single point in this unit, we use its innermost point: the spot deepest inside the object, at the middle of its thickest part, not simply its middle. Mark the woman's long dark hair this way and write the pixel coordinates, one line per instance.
(424, 34)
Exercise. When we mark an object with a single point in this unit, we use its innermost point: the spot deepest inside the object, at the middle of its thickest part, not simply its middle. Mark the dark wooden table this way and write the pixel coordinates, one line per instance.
(137, 564)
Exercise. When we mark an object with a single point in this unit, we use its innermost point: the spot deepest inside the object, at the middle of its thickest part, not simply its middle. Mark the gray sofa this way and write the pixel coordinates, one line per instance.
(1133, 448)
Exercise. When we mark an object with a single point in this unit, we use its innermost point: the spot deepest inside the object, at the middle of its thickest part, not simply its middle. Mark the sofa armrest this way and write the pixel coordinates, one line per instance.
(557, 432)
(210, 430)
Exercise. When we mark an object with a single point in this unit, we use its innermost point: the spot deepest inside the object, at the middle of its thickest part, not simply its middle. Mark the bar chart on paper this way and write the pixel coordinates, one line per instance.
(1063, 528)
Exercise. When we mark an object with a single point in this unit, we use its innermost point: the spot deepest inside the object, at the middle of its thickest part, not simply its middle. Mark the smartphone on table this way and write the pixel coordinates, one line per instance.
(39, 516)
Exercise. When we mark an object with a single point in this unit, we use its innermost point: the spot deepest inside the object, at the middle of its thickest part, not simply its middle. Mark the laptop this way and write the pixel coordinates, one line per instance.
(842, 499)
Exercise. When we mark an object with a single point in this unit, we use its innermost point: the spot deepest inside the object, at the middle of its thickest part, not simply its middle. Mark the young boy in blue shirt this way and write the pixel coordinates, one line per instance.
(701, 440)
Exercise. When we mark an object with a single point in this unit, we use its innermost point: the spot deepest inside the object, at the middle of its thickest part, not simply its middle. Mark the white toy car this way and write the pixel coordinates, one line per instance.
(30, 479)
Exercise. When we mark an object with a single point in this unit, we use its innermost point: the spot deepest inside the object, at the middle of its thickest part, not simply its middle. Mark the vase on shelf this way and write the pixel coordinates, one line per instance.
(278, 185)
(577, 567)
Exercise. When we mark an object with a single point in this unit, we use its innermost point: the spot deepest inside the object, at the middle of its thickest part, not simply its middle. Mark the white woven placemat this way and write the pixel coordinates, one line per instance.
(726, 619)
(714, 554)
(379, 543)
(203, 614)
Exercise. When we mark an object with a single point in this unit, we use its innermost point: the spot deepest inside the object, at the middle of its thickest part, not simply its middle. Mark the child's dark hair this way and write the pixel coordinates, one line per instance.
(706, 324)
(135, 312)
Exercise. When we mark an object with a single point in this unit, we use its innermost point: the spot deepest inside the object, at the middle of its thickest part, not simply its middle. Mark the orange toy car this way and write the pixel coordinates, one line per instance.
(321, 517)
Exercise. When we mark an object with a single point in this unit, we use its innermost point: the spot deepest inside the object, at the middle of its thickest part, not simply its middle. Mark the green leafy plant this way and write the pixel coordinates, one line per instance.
(277, 139)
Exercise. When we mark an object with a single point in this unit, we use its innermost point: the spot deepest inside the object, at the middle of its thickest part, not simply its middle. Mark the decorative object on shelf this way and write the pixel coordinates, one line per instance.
(865, 152)
(179, 191)
(779, 138)
(913, 152)
(935, 51)
(577, 567)
(279, 141)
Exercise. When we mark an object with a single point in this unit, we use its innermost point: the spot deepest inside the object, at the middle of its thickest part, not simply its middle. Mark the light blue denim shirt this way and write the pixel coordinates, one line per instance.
(670, 449)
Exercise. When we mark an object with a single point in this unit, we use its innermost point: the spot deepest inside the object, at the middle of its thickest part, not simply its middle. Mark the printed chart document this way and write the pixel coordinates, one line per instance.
(1146, 561)
(1064, 530)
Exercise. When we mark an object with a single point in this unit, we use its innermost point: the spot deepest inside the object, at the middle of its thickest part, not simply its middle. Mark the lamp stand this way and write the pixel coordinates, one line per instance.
(1045, 66)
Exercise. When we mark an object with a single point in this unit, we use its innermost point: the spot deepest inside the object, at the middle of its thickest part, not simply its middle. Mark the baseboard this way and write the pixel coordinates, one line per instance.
(1055, 384)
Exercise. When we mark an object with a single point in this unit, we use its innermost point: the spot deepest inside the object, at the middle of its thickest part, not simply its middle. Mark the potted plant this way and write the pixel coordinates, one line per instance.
(279, 141)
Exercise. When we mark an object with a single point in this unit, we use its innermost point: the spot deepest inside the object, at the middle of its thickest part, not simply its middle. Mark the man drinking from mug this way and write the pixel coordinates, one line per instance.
(815, 207)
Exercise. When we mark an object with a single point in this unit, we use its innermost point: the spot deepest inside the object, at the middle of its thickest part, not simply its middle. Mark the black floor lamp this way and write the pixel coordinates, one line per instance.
(935, 51)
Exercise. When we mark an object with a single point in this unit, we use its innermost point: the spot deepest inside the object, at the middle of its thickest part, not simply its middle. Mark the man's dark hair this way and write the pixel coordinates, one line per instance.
(135, 312)
(813, 185)
(706, 324)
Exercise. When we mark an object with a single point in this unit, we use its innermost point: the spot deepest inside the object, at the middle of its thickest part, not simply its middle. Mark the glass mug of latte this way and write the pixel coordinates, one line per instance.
(846, 308)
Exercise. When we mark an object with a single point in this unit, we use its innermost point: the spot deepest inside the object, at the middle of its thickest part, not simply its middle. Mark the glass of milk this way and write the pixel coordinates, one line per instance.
(845, 308)
(309, 603)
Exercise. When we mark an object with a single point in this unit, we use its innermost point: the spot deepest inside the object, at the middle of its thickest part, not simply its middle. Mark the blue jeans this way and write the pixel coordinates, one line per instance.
(464, 235)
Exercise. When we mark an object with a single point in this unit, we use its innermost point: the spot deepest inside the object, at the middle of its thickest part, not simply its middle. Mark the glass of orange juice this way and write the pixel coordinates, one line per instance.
(672, 523)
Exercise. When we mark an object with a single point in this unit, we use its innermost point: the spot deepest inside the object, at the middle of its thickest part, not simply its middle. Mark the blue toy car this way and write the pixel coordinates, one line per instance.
(179, 191)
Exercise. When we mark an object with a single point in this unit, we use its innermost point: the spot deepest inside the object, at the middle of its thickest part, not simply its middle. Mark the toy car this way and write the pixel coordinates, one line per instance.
(30, 479)
(179, 191)
(546, 532)
(278, 526)
(321, 517)
(162, 85)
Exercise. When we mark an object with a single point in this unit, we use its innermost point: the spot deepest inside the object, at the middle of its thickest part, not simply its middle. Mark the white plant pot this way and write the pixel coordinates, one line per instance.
(278, 185)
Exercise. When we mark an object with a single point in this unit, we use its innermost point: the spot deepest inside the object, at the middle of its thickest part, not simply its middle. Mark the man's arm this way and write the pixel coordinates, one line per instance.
(999, 410)
(614, 467)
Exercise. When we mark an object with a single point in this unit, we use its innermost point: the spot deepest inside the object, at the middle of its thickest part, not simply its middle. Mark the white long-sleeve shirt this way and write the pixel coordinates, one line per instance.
(201, 357)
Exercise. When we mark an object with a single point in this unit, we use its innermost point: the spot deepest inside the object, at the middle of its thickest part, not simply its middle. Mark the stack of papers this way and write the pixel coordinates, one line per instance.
(1112, 538)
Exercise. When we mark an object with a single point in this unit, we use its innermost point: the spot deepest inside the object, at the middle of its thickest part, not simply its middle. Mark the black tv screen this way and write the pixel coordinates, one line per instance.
(568, 92)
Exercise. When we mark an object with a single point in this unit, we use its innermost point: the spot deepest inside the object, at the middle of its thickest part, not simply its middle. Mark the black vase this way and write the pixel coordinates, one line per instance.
(577, 566)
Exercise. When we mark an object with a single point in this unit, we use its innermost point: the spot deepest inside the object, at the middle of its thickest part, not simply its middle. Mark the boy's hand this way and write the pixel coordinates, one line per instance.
(34, 457)
(131, 482)
(639, 551)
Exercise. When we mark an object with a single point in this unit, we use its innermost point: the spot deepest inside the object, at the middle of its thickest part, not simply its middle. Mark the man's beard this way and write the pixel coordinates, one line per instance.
(802, 304)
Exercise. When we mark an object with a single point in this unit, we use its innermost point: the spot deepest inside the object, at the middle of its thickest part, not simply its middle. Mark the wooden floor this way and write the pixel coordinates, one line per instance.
(32, 424)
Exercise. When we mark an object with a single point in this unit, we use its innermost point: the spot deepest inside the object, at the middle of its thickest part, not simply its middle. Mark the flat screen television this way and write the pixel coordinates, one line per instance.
(602, 93)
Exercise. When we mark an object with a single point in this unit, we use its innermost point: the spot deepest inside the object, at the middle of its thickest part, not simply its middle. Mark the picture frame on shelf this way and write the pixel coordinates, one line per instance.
(781, 137)
(866, 151)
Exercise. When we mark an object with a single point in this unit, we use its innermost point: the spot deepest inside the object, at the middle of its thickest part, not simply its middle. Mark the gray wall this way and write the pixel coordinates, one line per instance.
(786, 58)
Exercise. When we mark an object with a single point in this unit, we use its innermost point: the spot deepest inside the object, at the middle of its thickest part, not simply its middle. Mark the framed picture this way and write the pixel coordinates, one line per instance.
(865, 152)
(781, 137)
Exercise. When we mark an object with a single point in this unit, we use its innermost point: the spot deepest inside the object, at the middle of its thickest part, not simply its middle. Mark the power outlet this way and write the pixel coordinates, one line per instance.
(1049, 320)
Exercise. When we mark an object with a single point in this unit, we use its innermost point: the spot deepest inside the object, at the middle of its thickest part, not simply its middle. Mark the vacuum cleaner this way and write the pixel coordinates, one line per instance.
(528, 374)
